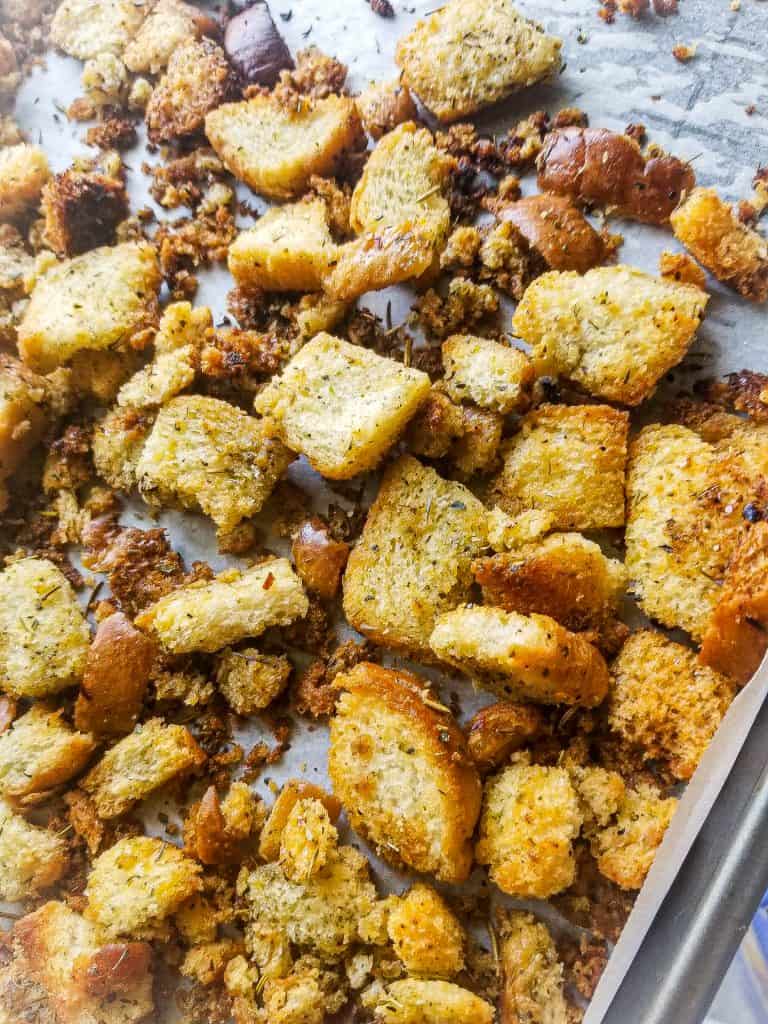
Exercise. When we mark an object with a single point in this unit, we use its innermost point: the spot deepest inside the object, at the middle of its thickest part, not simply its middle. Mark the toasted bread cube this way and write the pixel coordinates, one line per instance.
(206, 616)
(86, 28)
(625, 849)
(168, 24)
(181, 325)
(23, 172)
(615, 331)
(427, 937)
(293, 791)
(198, 79)
(289, 249)
(490, 374)
(205, 453)
(666, 703)
(139, 764)
(92, 302)
(308, 840)
(43, 635)
(379, 259)
(569, 460)
(402, 771)
(532, 974)
(159, 381)
(455, 79)
(24, 413)
(411, 1001)
(275, 148)
(31, 859)
(82, 210)
(250, 680)
(711, 230)
(118, 439)
(530, 818)
(385, 105)
(137, 883)
(342, 405)
(413, 560)
(40, 752)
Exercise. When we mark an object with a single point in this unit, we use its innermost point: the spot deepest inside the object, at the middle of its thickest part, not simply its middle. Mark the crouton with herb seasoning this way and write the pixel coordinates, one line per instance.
(160, 380)
(25, 411)
(567, 460)
(275, 149)
(615, 331)
(425, 934)
(39, 752)
(380, 259)
(250, 680)
(532, 975)
(385, 105)
(90, 303)
(198, 79)
(86, 28)
(118, 439)
(413, 1001)
(23, 173)
(557, 231)
(308, 840)
(489, 373)
(168, 24)
(341, 405)
(399, 764)
(43, 635)
(31, 858)
(471, 53)
(293, 791)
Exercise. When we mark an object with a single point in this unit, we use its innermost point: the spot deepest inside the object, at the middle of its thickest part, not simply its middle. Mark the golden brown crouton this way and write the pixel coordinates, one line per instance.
(413, 560)
(198, 80)
(489, 373)
(319, 559)
(139, 764)
(425, 934)
(43, 634)
(525, 657)
(711, 230)
(215, 830)
(205, 453)
(454, 77)
(92, 302)
(498, 730)
(32, 858)
(411, 1001)
(381, 258)
(570, 461)
(40, 752)
(614, 332)
(86, 28)
(82, 210)
(557, 231)
(308, 840)
(532, 974)
(276, 148)
(676, 266)
(341, 405)
(206, 616)
(168, 24)
(160, 380)
(385, 105)
(118, 439)
(250, 680)
(24, 414)
(399, 765)
(664, 702)
(23, 172)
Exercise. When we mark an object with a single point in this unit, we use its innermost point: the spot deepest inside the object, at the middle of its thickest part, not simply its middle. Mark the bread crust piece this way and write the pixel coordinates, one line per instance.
(455, 77)
(411, 1001)
(558, 231)
(23, 173)
(32, 858)
(82, 211)
(497, 730)
(385, 105)
(402, 771)
(40, 752)
(533, 977)
(614, 332)
(413, 560)
(490, 374)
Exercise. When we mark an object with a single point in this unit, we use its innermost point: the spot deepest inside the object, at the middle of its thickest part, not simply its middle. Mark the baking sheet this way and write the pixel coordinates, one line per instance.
(619, 74)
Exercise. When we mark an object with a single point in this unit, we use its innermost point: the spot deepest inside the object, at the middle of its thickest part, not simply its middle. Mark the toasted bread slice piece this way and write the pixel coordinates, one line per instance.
(40, 752)
(411, 1001)
(490, 374)
(401, 769)
(426, 935)
(379, 259)
(533, 976)
(86, 28)
(23, 172)
(32, 858)
(168, 24)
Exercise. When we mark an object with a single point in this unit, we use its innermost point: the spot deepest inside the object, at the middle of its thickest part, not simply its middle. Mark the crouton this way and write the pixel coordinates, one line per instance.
(454, 79)
(118, 439)
(92, 302)
(557, 231)
(289, 249)
(168, 24)
(532, 974)
(276, 149)
(735, 253)
(498, 730)
(215, 830)
(293, 791)
(32, 858)
(529, 819)
(139, 764)
(614, 332)
(341, 405)
(399, 764)
(205, 453)
(24, 414)
(294, 999)
(525, 657)
(23, 172)
(86, 28)
(385, 105)
(624, 850)
(490, 374)
(508, 534)
(676, 266)
(198, 80)
(379, 259)
(117, 671)
(250, 680)
(82, 210)
(308, 840)
(160, 380)
(43, 634)
(182, 325)
(207, 962)
(600, 791)
(413, 560)
(319, 559)
(665, 703)
(425, 934)
(411, 1001)
(564, 576)
(40, 752)
(570, 461)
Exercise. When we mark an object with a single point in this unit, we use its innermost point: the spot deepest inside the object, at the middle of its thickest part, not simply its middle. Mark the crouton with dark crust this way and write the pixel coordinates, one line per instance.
(215, 829)
(385, 105)
(498, 730)
(319, 559)
(82, 210)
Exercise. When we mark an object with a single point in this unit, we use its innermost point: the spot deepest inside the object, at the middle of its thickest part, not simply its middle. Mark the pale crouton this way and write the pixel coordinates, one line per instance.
(411, 1001)
(308, 840)
(31, 859)
(160, 380)
(385, 105)
(625, 849)
(277, 148)
(427, 937)
(379, 259)
(664, 702)
(93, 302)
(289, 249)
(530, 817)
(733, 252)
(533, 982)
(498, 730)
(400, 766)
(198, 79)
(40, 752)
(139, 764)
(615, 331)
(205, 453)
(250, 680)
(341, 405)
(23, 172)
(601, 792)
(43, 634)
(118, 439)
(24, 414)
(293, 791)
(490, 374)
(86, 28)
(168, 24)
(570, 461)
(413, 560)
(471, 53)
(135, 884)
(526, 657)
